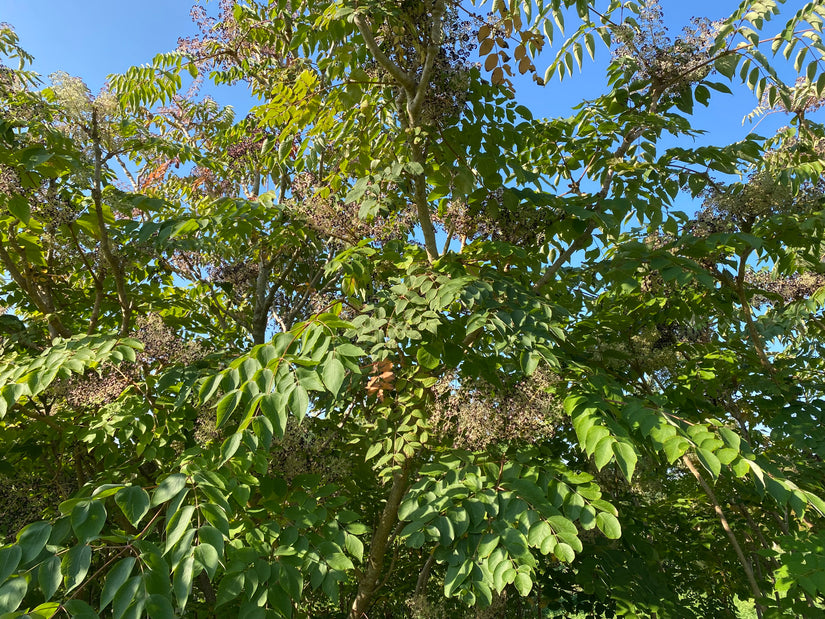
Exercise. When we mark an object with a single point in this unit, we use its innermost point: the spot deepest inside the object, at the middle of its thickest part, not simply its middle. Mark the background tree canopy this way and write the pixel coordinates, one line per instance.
(390, 346)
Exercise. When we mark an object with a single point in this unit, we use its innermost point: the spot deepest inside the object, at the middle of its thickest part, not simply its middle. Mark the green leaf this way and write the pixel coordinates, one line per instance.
(726, 455)
(129, 597)
(49, 576)
(80, 609)
(299, 402)
(675, 447)
(32, 539)
(216, 516)
(308, 379)
(11, 594)
(603, 452)
(88, 518)
(207, 557)
(47, 610)
(19, 207)
(373, 451)
(523, 584)
(730, 437)
(445, 530)
(609, 525)
(9, 560)
(625, 458)
(178, 525)
(427, 357)
(226, 406)
(726, 65)
(529, 361)
(709, 461)
(354, 546)
(338, 561)
(273, 406)
(182, 580)
(231, 587)
(115, 579)
(159, 607)
(456, 574)
(230, 447)
(168, 488)
(75, 565)
(209, 387)
(333, 375)
(349, 350)
(133, 501)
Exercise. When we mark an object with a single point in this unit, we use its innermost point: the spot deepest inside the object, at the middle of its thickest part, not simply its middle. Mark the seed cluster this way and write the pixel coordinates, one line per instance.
(478, 415)
(304, 451)
(646, 52)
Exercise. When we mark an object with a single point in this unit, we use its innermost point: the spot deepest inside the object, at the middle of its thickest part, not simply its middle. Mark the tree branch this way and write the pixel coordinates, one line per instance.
(436, 37)
(105, 243)
(726, 526)
(378, 546)
(393, 69)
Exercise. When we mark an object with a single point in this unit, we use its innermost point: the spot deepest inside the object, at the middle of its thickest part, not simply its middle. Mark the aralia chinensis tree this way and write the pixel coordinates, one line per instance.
(391, 346)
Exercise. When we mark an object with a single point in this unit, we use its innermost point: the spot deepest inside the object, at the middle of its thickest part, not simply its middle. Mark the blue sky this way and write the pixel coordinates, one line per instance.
(93, 38)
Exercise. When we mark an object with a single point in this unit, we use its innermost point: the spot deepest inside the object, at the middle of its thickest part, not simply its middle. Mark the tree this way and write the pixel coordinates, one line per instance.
(235, 383)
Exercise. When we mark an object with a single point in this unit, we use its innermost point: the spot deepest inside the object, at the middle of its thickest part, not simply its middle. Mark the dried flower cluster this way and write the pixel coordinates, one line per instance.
(333, 219)
(422, 608)
(405, 37)
(652, 349)
(77, 101)
(222, 40)
(793, 288)
(163, 346)
(647, 53)
(303, 451)
(478, 415)
(96, 388)
(801, 99)
(737, 207)
(492, 219)
(448, 90)
(240, 274)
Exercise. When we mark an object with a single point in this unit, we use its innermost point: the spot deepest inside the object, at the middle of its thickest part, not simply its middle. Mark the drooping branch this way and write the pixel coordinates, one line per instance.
(717, 507)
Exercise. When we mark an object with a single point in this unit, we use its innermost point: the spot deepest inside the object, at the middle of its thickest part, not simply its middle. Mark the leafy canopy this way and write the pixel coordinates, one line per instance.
(391, 346)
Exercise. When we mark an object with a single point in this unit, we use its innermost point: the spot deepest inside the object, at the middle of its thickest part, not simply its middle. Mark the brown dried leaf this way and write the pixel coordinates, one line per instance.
(486, 47)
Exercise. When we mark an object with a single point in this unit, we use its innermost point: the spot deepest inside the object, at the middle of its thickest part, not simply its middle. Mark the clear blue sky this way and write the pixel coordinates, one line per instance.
(93, 38)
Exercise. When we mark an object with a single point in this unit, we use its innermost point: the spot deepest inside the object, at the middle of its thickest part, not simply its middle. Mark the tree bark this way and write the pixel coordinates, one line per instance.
(380, 541)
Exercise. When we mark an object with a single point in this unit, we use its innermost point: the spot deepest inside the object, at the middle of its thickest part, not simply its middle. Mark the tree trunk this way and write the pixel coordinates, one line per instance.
(378, 548)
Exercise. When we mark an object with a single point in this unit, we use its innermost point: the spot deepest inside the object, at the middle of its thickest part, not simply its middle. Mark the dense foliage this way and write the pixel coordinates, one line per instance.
(390, 346)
